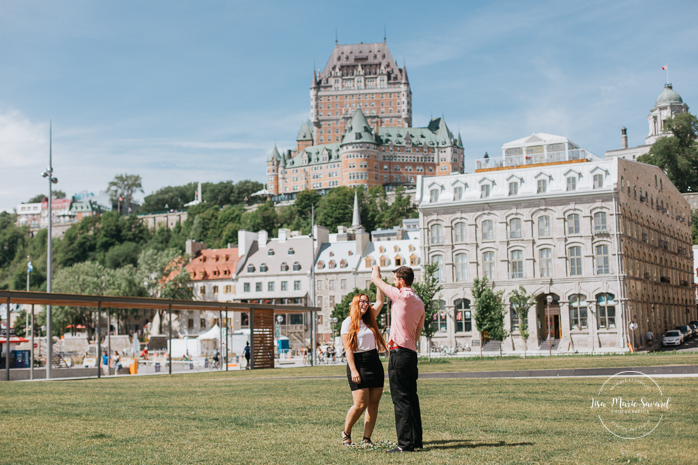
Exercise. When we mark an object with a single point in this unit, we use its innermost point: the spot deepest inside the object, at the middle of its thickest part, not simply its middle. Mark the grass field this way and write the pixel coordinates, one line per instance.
(241, 417)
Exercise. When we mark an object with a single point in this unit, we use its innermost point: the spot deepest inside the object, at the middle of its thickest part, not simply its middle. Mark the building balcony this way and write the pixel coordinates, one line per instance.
(514, 161)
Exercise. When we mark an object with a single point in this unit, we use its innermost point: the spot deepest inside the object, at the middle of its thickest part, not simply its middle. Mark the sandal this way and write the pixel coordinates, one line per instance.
(366, 441)
(346, 439)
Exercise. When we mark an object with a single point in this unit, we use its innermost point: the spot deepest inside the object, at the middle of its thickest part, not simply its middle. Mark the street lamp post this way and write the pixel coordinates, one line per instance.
(48, 173)
(549, 299)
(279, 319)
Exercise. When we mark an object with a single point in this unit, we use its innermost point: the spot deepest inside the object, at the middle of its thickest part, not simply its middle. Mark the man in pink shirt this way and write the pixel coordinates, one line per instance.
(407, 322)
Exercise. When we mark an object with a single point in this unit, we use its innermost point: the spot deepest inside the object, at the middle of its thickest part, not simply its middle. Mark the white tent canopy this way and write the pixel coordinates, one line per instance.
(213, 333)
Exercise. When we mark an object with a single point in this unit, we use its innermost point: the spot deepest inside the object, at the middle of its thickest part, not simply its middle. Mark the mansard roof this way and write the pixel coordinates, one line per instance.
(436, 133)
(373, 59)
(314, 155)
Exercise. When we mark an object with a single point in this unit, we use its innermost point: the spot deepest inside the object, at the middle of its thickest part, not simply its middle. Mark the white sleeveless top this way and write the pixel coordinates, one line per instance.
(365, 340)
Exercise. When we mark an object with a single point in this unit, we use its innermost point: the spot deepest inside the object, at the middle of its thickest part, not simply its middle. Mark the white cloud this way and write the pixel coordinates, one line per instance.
(23, 143)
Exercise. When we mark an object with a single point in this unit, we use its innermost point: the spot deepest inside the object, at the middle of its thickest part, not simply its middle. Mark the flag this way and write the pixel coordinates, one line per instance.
(30, 268)
(665, 67)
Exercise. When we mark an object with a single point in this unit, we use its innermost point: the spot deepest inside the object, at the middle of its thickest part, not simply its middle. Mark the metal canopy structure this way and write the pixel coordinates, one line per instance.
(261, 316)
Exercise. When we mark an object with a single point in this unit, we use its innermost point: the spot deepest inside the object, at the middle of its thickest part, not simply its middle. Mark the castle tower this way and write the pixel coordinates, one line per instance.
(273, 171)
(357, 76)
(359, 153)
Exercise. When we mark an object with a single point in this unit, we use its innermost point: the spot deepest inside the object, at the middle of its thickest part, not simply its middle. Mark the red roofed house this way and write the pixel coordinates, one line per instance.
(211, 272)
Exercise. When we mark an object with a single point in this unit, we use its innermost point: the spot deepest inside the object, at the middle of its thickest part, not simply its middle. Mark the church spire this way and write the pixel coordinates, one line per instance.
(356, 220)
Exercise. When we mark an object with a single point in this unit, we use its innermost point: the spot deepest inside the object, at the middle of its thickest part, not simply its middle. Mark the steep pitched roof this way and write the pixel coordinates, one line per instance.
(370, 57)
(305, 132)
(213, 264)
(359, 130)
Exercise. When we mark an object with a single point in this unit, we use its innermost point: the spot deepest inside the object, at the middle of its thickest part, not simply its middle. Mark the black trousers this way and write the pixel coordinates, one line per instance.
(403, 374)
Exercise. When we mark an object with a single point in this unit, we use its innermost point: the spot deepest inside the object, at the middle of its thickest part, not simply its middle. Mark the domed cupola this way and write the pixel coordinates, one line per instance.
(668, 97)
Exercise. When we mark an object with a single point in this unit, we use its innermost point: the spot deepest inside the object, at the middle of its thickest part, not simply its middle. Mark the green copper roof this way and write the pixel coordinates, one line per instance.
(306, 132)
(359, 131)
(668, 96)
(314, 155)
(274, 155)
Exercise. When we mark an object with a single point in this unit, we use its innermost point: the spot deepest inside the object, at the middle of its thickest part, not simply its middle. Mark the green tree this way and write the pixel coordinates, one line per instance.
(427, 289)
(489, 311)
(677, 156)
(122, 254)
(124, 186)
(336, 208)
(694, 226)
(169, 198)
(401, 208)
(521, 303)
(304, 202)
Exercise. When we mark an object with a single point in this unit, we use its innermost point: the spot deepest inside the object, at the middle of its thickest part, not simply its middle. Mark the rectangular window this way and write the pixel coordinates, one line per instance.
(433, 194)
(270, 286)
(516, 264)
(544, 226)
(488, 265)
(215, 289)
(284, 285)
(571, 183)
(603, 262)
(515, 323)
(246, 287)
(484, 191)
(202, 323)
(600, 222)
(202, 290)
(460, 232)
(296, 285)
(575, 261)
(228, 289)
(319, 285)
(546, 263)
(573, 224)
(513, 188)
(244, 320)
(578, 312)
(258, 287)
(457, 193)
(439, 260)
(598, 181)
(542, 186)
(331, 301)
(331, 286)
(343, 284)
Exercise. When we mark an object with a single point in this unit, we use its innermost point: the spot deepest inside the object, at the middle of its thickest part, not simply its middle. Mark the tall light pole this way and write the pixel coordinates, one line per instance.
(547, 317)
(51, 181)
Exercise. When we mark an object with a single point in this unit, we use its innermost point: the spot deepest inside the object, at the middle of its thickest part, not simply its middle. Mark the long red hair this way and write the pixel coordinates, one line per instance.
(369, 320)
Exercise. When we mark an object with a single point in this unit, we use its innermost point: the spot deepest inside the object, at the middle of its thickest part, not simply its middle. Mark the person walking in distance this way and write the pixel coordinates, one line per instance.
(406, 326)
(247, 356)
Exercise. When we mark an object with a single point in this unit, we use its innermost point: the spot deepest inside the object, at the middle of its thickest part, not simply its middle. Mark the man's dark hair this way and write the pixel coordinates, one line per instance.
(405, 273)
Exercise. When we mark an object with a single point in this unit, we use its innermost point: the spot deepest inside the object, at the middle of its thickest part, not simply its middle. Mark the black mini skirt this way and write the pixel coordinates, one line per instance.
(370, 368)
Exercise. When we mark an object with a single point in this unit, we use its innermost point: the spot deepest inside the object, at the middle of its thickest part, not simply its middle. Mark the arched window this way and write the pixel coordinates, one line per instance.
(439, 260)
(600, 222)
(487, 230)
(461, 267)
(515, 228)
(578, 312)
(573, 223)
(464, 320)
(516, 264)
(296, 266)
(544, 226)
(606, 311)
(439, 322)
(436, 234)
(459, 232)
(284, 267)
(488, 265)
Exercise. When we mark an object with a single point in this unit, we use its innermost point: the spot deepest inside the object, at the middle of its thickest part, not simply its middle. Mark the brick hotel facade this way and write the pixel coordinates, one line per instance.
(360, 130)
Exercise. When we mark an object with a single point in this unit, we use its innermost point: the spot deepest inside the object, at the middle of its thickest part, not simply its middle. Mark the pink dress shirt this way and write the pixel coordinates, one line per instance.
(407, 317)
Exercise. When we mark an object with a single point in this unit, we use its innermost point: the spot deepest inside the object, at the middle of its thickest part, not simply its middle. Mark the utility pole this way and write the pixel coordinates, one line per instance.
(51, 181)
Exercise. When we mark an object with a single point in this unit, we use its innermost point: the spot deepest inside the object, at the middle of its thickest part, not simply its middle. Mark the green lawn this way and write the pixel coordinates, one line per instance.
(240, 417)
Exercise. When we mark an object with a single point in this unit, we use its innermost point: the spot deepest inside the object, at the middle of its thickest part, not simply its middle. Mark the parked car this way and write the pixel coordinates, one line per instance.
(673, 337)
(686, 331)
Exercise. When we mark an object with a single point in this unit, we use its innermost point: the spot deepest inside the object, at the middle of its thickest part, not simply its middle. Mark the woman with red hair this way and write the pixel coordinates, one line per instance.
(362, 342)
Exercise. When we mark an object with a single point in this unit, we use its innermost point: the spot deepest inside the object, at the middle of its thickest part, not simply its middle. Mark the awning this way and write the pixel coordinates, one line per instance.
(13, 339)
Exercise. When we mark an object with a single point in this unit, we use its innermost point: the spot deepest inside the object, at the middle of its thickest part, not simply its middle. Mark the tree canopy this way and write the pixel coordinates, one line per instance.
(677, 156)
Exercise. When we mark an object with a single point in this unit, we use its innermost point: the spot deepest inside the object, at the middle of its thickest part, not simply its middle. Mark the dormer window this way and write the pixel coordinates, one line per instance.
(571, 183)
(434, 195)
(269, 252)
(332, 264)
(514, 188)
(381, 249)
(484, 191)
(343, 264)
(284, 266)
(398, 261)
(263, 268)
(331, 254)
(350, 253)
(320, 265)
(250, 268)
(296, 266)
(291, 251)
(396, 249)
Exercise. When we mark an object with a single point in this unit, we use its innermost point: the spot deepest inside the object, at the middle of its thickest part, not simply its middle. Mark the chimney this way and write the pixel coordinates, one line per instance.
(624, 137)
(262, 238)
(283, 235)
(192, 247)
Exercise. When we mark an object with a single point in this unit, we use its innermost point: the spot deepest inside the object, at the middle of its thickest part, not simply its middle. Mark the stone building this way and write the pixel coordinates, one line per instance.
(608, 240)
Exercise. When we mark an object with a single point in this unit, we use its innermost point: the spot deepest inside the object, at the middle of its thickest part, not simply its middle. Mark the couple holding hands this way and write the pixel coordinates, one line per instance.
(362, 342)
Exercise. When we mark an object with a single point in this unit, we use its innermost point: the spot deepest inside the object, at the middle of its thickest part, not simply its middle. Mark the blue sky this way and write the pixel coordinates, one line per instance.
(201, 91)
